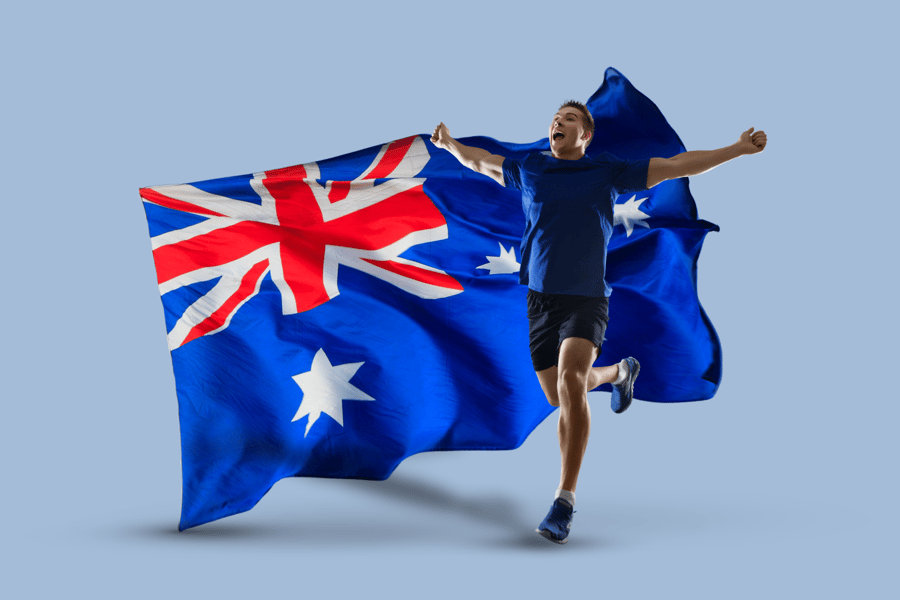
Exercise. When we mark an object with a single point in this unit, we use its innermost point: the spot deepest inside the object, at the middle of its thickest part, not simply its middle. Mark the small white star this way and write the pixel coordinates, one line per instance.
(628, 214)
(505, 263)
(325, 387)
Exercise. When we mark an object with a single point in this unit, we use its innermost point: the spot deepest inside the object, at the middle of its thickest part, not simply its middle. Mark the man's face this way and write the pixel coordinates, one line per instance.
(567, 130)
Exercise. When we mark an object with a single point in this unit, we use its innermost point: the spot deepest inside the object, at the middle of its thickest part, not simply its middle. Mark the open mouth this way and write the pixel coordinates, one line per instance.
(558, 136)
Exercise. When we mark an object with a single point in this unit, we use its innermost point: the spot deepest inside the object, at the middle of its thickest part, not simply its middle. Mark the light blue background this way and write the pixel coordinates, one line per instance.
(783, 486)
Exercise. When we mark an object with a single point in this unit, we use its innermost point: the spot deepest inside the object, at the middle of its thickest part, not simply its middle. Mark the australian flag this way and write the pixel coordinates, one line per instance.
(331, 319)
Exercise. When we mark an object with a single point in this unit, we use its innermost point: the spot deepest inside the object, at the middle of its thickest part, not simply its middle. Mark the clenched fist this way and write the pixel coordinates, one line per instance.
(441, 137)
(751, 143)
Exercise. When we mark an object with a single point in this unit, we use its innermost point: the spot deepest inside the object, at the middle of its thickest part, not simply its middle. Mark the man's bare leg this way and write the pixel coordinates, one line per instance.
(549, 379)
(601, 375)
(566, 386)
(576, 355)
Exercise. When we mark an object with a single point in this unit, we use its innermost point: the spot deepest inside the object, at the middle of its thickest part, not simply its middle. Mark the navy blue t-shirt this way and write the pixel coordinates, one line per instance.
(568, 208)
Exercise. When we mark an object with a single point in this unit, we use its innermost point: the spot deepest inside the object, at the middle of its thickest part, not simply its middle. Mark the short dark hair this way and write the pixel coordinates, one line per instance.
(586, 118)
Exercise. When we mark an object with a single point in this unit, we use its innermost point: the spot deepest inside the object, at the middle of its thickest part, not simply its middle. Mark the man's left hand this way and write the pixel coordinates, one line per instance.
(751, 143)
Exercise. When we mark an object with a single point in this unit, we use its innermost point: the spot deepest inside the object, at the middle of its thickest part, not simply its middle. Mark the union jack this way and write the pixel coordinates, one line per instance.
(300, 233)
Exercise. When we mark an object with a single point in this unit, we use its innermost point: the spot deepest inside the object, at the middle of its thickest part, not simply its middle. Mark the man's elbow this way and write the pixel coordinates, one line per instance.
(659, 170)
(491, 171)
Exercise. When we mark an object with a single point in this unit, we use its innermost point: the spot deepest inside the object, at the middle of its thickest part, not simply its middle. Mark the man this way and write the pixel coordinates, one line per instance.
(568, 200)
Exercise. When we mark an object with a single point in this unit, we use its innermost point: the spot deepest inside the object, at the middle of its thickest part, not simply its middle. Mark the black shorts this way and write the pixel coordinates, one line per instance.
(555, 317)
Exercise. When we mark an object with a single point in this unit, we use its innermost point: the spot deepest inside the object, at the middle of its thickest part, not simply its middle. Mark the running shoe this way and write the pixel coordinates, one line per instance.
(623, 393)
(556, 525)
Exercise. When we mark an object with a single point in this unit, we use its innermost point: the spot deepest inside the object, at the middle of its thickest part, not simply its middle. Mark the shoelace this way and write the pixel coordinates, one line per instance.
(559, 514)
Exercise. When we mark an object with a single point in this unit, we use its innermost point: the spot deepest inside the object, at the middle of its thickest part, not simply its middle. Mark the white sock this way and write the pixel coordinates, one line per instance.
(566, 495)
(623, 373)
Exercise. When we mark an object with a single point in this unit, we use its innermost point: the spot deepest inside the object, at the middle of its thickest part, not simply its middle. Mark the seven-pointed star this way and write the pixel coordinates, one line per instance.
(505, 263)
(629, 215)
(325, 387)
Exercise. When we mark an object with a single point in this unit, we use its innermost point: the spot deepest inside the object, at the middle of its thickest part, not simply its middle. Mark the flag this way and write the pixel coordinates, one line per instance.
(333, 318)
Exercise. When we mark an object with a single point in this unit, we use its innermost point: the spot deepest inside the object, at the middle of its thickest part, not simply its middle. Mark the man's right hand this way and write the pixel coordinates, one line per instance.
(441, 137)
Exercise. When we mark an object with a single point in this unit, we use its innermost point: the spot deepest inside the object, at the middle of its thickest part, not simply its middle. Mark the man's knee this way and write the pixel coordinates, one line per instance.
(572, 384)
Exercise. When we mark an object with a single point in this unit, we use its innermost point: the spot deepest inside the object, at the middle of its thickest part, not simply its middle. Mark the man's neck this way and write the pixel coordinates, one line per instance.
(573, 154)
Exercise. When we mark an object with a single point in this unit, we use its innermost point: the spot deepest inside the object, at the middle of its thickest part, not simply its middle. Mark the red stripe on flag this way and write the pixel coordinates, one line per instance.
(292, 172)
(220, 316)
(339, 191)
(302, 264)
(392, 157)
(417, 274)
(217, 247)
(295, 203)
(383, 223)
(157, 198)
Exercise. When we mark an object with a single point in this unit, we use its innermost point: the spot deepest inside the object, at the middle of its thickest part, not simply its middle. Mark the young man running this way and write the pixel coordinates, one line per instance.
(568, 201)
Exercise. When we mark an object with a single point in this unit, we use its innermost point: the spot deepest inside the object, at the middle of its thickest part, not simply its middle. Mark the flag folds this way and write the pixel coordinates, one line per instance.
(331, 319)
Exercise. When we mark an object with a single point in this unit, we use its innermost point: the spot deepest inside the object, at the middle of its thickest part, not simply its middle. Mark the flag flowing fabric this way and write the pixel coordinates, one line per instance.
(331, 319)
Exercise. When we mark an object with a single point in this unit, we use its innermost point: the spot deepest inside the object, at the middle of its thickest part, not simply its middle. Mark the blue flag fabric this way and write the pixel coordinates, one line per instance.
(333, 318)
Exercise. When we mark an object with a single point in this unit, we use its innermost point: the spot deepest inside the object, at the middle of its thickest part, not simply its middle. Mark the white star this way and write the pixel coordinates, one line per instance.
(629, 215)
(505, 263)
(325, 387)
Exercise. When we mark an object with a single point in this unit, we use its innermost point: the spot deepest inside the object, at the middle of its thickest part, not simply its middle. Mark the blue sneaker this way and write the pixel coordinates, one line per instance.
(623, 394)
(556, 525)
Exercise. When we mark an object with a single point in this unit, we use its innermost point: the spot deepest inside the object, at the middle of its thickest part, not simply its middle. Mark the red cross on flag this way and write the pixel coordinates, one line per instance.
(301, 233)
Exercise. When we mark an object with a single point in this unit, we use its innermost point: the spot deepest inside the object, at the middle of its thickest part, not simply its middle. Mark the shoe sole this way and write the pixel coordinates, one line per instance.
(547, 535)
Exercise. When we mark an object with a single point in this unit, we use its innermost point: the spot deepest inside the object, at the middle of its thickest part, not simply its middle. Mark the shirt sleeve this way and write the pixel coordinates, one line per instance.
(630, 175)
(512, 173)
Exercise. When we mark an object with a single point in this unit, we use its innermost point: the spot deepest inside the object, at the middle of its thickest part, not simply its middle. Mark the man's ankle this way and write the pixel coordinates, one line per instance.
(566, 495)
(623, 372)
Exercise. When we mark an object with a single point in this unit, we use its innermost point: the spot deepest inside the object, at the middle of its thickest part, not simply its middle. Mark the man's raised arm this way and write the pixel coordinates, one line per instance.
(476, 159)
(695, 162)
